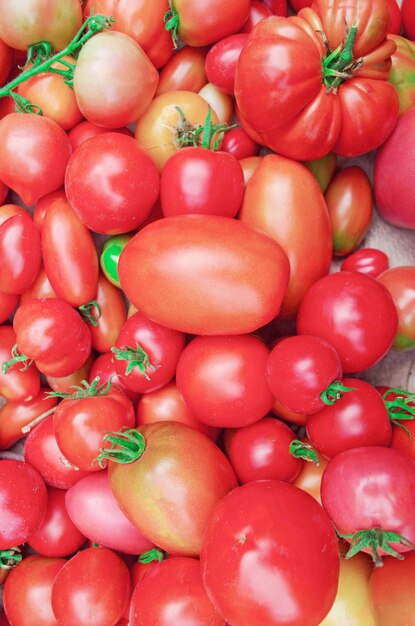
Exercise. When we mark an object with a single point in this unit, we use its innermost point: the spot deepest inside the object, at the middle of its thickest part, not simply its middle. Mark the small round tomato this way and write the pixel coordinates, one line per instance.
(239, 144)
(400, 282)
(370, 261)
(185, 71)
(20, 254)
(221, 61)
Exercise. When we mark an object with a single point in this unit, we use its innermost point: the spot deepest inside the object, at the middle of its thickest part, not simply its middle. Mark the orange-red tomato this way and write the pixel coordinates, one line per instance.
(185, 71)
(400, 282)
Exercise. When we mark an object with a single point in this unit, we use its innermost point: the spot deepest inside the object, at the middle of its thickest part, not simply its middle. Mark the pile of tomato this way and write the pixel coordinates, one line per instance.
(187, 434)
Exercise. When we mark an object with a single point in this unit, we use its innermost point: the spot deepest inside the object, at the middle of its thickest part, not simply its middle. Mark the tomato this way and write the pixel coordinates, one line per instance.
(53, 334)
(10, 210)
(42, 452)
(34, 154)
(141, 20)
(18, 383)
(65, 384)
(163, 271)
(390, 589)
(111, 318)
(408, 19)
(86, 130)
(81, 420)
(103, 367)
(16, 417)
(91, 589)
(23, 502)
(371, 489)
(218, 19)
(44, 203)
(6, 58)
(350, 205)
(110, 256)
(173, 592)
(249, 166)
(170, 490)
(358, 419)
(196, 180)
(26, 22)
(167, 404)
(306, 114)
(261, 451)
(114, 80)
(400, 282)
(370, 261)
(221, 61)
(111, 183)
(395, 14)
(27, 594)
(403, 440)
(20, 254)
(69, 255)
(402, 71)
(309, 478)
(323, 169)
(95, 512)
(57, 536)
(239, 144)
(278, 7)
(355, 313)
(8, 303)
(146, 353)
(289, 416)
(221, 103)
(257, 12)
(185, 71)
(260, 528)
(394, 169)
(275, 199)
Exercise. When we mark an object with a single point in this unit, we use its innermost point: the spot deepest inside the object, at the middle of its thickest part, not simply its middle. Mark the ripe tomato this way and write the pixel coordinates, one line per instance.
(65, 384)
(278, 7)
(257, 12)
(390, 591)
(18, 383)
(355, 313)
(402, 71)
(103, 367)
(323, 169)
(6, 58)
(204, 274)
(221, 61)
(400, 282)
(309, 478)
(370, 261)
(185, 71)
(10, 210)
(16, 417)
(20, 254)
(127, 189)
(239, 144)
(408, 18)
(260, 528)
(219, 102)
(111, 318)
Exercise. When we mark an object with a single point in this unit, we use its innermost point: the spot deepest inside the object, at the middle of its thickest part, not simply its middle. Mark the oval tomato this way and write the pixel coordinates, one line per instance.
(408, 18)
(400, 282)
(221, 61)
(323, 169)
(112, 316)
(185, 71)
(20, 254)
(370, 261)
(19, 382)
(204, 274)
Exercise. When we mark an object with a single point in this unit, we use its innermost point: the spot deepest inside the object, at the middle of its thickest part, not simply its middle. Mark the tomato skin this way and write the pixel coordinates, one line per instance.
(248, 529)
(402, 71)
(350, 205)
(390, 588)
(86, 130)
(77, 591)
(260, 451)
(10, 210)
(8, 303)
(129, 183)
(20, 254)
(173, 592)
(221, 61)
(176, 484)
(309, 478)
(408, 19)
(16, 415)
(239, 144)
(104, 367)
(370, 261)
(274, 201)
(400, 282)
(196, 180)
(27, 594)
(359, 341)
(65, 384)
(185, 71)
(278, 7)
(18, 384)
(359, 418)
(95, 512)
(323, 169)
(169, 257)
(24, 502)
(33, 157)
(6, 58)
(113, 315)
(69, 255)
(257, 12)
(219, 102)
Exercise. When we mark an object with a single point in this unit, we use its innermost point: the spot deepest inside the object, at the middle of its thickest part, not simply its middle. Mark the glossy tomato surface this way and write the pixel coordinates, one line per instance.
(400, 282)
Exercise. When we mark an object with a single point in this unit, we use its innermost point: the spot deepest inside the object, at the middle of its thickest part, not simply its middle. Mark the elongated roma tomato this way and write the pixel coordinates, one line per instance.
(204, 274)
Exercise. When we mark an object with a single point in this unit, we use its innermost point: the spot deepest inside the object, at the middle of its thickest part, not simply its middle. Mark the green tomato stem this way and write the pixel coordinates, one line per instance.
(334, 392)
(10, 558)
(152, 555)
(126, 447)
(172, 23)
(84, 390)
(301, 450)
(135, 357)
(375, 539)
(17, 357)
(91, 312)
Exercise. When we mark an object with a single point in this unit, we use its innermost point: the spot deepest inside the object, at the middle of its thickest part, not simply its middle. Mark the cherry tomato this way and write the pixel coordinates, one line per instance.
(86, 130)
(400, 282)
(257, 12)
(239, 144)
(221, 61)
(112, 316)
(185, 71)
(18, 383)
(355, 313)
(390, 589)
(103, 367)
(370, 261)
(16, 417)
(408, 19)
(20, 254)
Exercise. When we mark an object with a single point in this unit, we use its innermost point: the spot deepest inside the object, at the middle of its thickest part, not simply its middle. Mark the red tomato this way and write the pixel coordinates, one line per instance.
(222, 380)
(257, 12)
(86, 130)
(400, 282)
(23, 500)
(404, 440)
(47, 201)
(92, 588)
(170, 490)
(261, 451)
(371, 489)
(309, 478)
(16, 417)
(146, 353)
(278, 7)
(239, 144)
(42, 452)
(69, 255)
(260, 528)
(163, 270)
(111, 183)
(402, 71)
(114, 80)
(408, 18)
(33, 156)
(95, 512)
(20, 254)
(396, 20)
(10, 210)
(173, 593)
(370, 261)
(274, 202)
(390, 591)
(323, 169)
(27, 594)
(350, 205)
(221, 61)
(8, 303)
(111, 318)
(358, 419)
(185, 71)
(57, 536)
(18, 383)
(65, 384)
(394, 170)
(355, 313)
(196, 180)
(6, 57)
(40, 288)
(104, 368)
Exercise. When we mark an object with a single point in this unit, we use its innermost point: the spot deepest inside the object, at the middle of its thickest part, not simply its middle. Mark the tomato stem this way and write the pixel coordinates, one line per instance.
(135, 357)
(84, 390)
(41, 58)
(152, 555)
(375, 539)
(339, 64)
(10, 558)
(400, 408)
(334, 392)
(301, 450)
(26, 429)
(126, 447)
(17, 357)
(208, 136)
(90, 312)
(172, 23)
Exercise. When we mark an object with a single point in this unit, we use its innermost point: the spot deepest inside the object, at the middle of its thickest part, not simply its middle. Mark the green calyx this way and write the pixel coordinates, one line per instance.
(41, 59)
(84, 390)
(208, 136)
(301, 450)
(375, 539)
(126, 447)
(152, 555)
(135, 357)
(334, 392)
(339, 64)
(17, 357)
(171, 22)
(91, 312)
(10, 558)
(400, 408)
